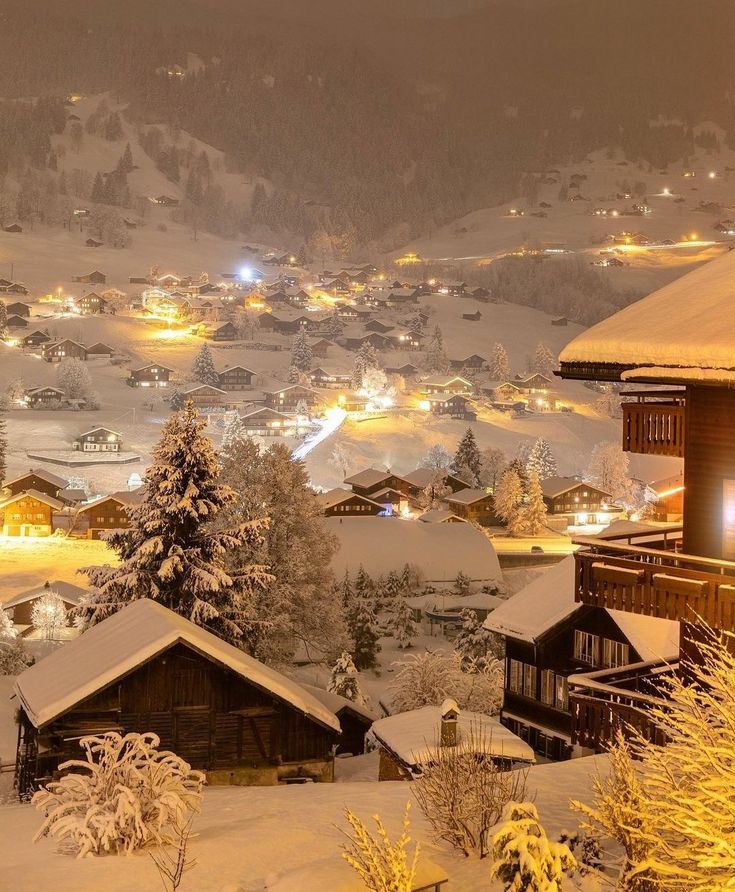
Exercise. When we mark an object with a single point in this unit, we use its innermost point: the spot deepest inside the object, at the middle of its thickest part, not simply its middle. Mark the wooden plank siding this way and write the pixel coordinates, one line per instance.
(654, 428)
(596, 721)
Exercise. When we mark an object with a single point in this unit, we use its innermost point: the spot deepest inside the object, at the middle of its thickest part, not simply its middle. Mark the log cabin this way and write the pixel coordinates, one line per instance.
(681, 339)
(18, 308)
(40, 397)
(36, 339)
(453, 406)
(266, 422)
(104, 514)
(146, 668)
(287, 399)
(445, 385)
(94, 278)
(576, 502)
(66, 349)
(205, 396)
(236, 377)
(475, 505)
(20, 607)
(354, 719)
(36, 478)
(152, 375)
(16, 321)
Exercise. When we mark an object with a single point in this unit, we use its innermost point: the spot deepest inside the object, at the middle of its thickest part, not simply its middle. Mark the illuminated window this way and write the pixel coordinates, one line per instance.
(586, 647)
(515, 676)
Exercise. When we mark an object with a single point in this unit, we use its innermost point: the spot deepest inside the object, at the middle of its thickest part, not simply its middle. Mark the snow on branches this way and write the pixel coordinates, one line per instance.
(124, 795)
(382, 866)
(48, 614)
(344, 680)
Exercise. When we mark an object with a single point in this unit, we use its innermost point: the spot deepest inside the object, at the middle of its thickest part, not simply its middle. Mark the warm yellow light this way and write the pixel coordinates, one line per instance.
(425, 405)
(341, 398)
(712, 174)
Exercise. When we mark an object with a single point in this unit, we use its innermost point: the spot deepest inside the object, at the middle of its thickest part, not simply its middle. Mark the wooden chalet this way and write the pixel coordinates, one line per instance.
(93, 243)
(454, 288)
(99, 439)
(267, 422)
(454, 406)
(13, 227)
(20, 607)
(99, 349)
(29, 513)
(534, 383)
(371, 481)
(507, 392)
(219, 331)
(7, 287)
(669, 498)
(18, 308)
(147, 669)
(551, 639)
(152, 375)
(91, 304)
(287, 399)
(408, 370)
(421, 478)
(577, 502)
(58, 351)
(93, 278)
(379, 326)
(353, 340)
(40, 397)
(320, 377)
(345, 503)
(36, 339)
(680, 338)
(236, 377)
(445, 385)
(35, 479)
(320, 347)
(474, 504)
(472, 317)
(106, 513)
(16, 322)
(205, 396)
(354, 719)
(474, 361)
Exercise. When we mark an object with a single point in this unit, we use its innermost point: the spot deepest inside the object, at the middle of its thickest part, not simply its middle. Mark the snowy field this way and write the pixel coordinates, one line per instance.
(248, 836)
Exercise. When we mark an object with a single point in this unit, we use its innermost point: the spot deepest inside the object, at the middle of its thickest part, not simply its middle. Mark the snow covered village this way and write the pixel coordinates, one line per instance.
(367, 480)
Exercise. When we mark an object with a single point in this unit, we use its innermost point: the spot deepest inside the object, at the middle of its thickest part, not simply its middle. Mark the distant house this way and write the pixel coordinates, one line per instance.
(562, 321)
(287, 399)
(151, 375)
(474, 361)
(37, 397)
(236, 377)
(266, 422)
(420, 478)
(472, 317)
(320, 377)
(354, 720)
(91, 304)
(29, 513)
(7, 287)
(93, 278)
(99, 349)
(454, 288)
(379, 326)
(409, 741)
(38, 480)
(232, 716)
(17, 322)
(369, 481)
(408, 370)
(320, 347)
(13, 227)
(669, 495)
(66, 349)
(205, 396)
(18, 308)
(99, 439)
(219, 331)
(404, 339)
(454, 406)
(106, 513)
(166, 201)
(93, 243)
(344, 503)
(577, 502)
(440, 515)
(479, 293)
(354, 340)
(36, 339)
(445, 385)
(20, 607)
(475, 505)
(502, 391)
(534, 383)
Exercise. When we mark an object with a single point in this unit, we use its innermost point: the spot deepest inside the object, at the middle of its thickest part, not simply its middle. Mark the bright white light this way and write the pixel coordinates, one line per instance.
(246, 274)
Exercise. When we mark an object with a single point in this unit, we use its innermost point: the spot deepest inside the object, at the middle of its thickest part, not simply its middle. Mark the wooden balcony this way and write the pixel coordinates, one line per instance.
(656, 582)
(654, 422)
(605, 702)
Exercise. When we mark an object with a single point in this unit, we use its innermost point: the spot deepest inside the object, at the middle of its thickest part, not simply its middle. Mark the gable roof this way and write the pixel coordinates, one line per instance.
(67, 591)
(195, 387)
(34, 494)
(336, 703)
(93, 430)
(556, 486)
(54, 479)
(123, 497)
(467, 496)
(444, 380)
(130, 638)
(368, 477)
(338, 495)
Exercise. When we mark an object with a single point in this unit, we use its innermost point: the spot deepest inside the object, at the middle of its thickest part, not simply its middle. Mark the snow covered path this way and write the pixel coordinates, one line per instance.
(328, 426)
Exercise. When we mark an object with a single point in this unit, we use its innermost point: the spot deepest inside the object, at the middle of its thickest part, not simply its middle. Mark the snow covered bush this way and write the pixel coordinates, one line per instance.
(14, 658)
(48, 614)
(7, 629)
(474, 641)
(126, 794)
(463, 796)
(344, 680)
(427, 679)
(383, 866)
(526, 860)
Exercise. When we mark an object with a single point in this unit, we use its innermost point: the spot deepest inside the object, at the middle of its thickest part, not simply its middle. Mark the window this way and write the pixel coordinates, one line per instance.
(547, 687)
(561, 695)
(529, 681)
(554, 690)
(586, 648)
(614, 653)
(515, 676)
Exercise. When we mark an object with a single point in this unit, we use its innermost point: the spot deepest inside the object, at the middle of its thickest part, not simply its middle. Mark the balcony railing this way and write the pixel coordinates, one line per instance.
(654, 423)
(656, 582)
(605, 702)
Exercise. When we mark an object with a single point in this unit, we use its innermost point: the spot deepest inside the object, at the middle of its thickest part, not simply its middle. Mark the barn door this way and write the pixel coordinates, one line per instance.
(192, 735)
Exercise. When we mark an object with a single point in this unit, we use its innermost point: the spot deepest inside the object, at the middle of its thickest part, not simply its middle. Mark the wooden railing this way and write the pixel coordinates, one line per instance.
(654, 427)
(652, 582)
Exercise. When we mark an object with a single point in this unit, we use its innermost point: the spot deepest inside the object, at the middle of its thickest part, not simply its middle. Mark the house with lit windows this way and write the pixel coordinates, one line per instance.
(99, 439)
(572, 502)
(151, 375)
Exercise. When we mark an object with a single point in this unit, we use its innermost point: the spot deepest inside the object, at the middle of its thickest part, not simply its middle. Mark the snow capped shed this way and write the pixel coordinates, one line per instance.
(148, 669)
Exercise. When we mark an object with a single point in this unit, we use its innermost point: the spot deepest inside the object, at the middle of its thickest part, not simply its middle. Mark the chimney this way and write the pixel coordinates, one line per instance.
(450, 717)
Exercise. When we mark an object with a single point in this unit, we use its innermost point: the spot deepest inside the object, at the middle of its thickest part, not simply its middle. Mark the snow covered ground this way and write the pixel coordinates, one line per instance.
(246, 835)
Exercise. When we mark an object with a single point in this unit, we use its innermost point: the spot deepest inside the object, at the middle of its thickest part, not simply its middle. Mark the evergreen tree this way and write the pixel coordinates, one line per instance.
(473, 641)
(499, 364)
(173, 551)
(301, 355)
(177, 401)
(125, 164)
(402, 625)
(234, 431)
(3, 320)
(508, 501)
(344, 680)
(293, 375)
(534, 509)
(203, 368)
(462, 584)
(301, 258)
(541, 460)
(362, 625)
(543, 361)
(435, 358)
(98, 188)
(346, 593)
(333, 327)
(467, 462)
(113, 127)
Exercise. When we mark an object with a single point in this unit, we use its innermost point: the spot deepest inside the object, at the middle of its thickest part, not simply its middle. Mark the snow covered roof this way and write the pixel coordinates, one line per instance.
(651, 637)
(466, 496)
(336, 703)
(337, 496)
(444, 381)
(67, 591)
(367, 477)
(204, 387)
(685, 330)
(413, 736)
(556, 486)
(128, 639)
(439, 550)
(436, 602)
(54, 479)
(440, 515)
(123, 496)
(34, 494)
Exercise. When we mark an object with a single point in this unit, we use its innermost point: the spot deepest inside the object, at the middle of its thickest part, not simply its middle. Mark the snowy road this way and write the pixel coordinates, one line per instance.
(328, 426)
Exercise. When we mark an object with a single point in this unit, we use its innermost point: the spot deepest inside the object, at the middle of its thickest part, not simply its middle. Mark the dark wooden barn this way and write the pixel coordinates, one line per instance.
(147, 669)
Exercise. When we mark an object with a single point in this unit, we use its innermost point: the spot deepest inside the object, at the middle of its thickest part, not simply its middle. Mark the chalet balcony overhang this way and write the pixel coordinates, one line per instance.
(657, 582)
(654, 422)
(611, 700)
